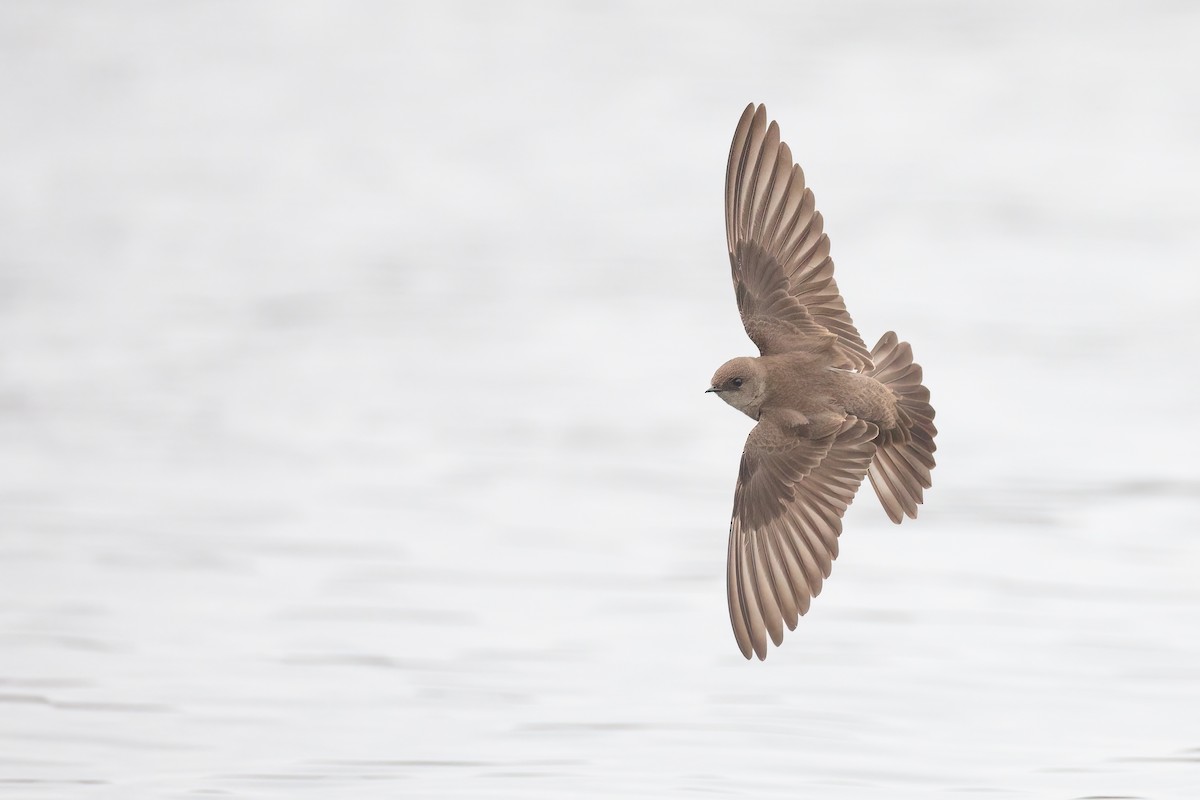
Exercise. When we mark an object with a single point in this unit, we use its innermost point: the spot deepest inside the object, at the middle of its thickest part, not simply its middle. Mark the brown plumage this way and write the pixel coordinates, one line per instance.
(829, 411)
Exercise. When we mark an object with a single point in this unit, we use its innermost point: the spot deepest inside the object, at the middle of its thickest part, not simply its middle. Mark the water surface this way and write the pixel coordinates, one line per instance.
(352, 435)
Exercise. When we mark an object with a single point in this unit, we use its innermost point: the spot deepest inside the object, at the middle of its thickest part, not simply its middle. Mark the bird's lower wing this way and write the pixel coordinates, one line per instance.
(787, 516)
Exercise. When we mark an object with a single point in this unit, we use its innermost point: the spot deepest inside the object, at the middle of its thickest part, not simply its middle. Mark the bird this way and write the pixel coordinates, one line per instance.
(828, 410)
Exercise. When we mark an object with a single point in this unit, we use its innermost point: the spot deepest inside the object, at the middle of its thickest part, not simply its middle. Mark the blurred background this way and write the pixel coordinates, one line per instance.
(353, 440)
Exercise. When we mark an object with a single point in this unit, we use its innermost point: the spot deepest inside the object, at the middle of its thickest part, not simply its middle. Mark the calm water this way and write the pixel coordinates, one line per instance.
(352, 435)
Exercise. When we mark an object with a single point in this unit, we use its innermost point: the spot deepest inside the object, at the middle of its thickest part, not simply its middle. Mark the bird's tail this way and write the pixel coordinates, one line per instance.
(904, 456)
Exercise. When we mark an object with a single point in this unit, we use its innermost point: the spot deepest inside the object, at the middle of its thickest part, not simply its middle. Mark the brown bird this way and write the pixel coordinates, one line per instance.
(829, 411)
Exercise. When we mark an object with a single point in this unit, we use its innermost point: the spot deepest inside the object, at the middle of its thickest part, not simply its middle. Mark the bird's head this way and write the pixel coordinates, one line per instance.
(742, 383)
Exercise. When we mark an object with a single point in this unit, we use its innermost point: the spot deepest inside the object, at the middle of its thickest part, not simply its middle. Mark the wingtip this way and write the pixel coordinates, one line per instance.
(748, 114)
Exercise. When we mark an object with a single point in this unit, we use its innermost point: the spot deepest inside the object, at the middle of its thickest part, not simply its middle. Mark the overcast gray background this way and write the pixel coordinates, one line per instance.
(352, 434)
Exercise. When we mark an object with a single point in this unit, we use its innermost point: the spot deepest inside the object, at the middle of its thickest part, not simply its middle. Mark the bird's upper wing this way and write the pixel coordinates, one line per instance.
(787, 515)
(768, 207)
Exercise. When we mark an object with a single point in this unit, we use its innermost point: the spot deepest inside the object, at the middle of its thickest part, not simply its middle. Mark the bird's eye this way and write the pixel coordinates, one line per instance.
(737, 382)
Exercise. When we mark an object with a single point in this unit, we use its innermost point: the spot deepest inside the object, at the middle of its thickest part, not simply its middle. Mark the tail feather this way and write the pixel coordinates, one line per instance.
(904, 457)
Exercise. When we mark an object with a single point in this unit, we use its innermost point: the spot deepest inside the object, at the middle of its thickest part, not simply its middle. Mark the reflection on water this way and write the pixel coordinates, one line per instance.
(352, 440)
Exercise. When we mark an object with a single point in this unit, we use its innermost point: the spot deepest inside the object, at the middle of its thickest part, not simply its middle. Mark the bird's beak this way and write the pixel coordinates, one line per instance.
(711, 389)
